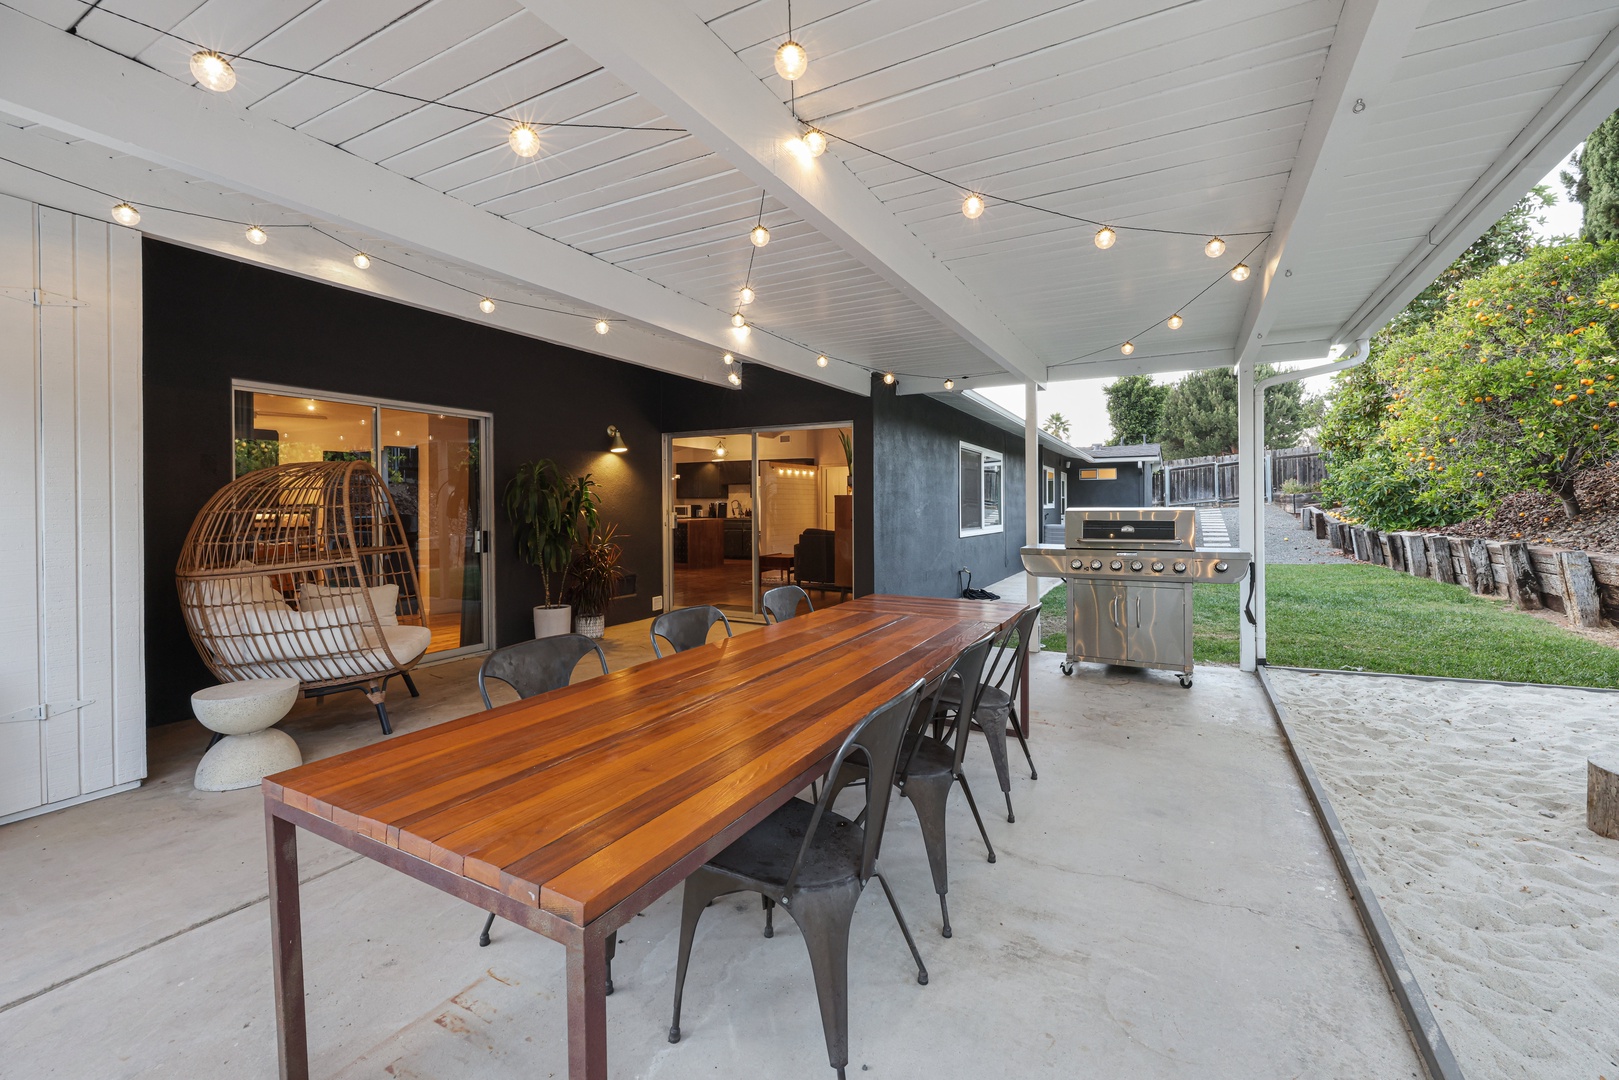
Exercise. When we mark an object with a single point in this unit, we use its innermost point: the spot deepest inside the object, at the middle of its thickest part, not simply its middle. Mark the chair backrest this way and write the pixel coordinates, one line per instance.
(687, 628)
(782, 602)
(970, 666)
(876, 738)
(538, 666)
(1009, 659)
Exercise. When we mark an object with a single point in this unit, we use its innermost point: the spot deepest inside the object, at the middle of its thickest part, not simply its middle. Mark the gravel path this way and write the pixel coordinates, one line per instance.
(1286, 540)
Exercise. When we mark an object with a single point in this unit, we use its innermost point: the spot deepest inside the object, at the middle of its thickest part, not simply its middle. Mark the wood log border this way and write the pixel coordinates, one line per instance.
(1581, 586)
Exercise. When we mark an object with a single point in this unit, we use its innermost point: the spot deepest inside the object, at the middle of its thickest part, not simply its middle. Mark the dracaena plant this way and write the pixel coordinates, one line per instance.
(551, 512)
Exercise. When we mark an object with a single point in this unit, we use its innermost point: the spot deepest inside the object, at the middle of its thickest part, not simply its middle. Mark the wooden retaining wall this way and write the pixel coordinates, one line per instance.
(1582, 586)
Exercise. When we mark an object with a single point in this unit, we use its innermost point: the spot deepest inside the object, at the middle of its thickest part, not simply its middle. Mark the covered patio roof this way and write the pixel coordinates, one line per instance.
(1346, 151)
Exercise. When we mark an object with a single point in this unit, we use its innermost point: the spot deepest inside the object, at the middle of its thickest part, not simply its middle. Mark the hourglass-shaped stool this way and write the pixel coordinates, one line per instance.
(245, 713)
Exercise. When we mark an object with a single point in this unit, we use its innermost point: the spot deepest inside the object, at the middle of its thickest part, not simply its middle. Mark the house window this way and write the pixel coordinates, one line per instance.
(1062, 490)
(1098, 474)
(979, 482)
(1051, 487)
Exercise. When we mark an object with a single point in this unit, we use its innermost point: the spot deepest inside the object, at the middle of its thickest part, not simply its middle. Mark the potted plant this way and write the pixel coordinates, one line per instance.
(550, 512)
(594, 578)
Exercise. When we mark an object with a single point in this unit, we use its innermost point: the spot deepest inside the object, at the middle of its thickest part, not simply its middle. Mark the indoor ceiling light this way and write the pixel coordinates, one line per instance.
(1105, 237)
(791, 60)
(524, 140)
(362, 260)
(125, 214)
(888, 378)
(746, 296)
(1214, 248)
(1127, 348)
(1240, 272)
(617, 445)
(602, 326)
(487, 306)
(212, 71)
(972, 206)
(759, 235)
(256, 235)
(815, 143)
(1175, 322)
(820, 361)
(719, 444)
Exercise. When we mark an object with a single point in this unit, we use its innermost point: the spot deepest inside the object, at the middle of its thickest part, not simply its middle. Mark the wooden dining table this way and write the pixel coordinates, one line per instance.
(569, 812)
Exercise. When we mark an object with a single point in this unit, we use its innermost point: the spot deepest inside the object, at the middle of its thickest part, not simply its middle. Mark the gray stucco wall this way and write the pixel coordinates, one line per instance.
(1128, 490)
(917, 533)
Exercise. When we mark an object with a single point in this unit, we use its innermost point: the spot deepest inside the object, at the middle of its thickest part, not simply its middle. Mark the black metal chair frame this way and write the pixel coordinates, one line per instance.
(821, 884)
(687, 627)
(997, 700)
(783, 598)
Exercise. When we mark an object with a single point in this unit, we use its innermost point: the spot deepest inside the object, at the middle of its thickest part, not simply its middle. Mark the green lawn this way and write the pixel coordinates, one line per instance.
(1357, 616)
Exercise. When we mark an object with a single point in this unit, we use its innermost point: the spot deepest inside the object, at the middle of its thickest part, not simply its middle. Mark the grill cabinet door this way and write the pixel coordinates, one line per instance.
(1155, 619)
(1096, 609)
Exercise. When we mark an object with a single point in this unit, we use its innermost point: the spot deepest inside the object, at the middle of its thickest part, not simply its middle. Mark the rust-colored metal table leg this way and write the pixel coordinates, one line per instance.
(287, 945)
(587, 1004)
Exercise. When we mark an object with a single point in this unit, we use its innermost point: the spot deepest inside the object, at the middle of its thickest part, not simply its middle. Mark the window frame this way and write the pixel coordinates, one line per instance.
(1048, 488)
(988, 461)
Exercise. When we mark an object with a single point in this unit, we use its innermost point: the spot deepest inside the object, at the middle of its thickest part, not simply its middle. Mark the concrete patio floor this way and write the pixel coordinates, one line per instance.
(1164, 906)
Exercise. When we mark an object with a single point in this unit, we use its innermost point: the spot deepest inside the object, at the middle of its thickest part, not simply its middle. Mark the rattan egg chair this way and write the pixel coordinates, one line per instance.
(304, 571)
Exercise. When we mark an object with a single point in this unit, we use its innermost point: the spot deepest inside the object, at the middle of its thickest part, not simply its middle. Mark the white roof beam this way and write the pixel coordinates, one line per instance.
(670, 57)
(69, 84)
(1587, 99)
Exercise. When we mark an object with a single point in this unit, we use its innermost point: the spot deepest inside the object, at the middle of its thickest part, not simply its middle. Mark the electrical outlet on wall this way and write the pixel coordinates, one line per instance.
(657, 603)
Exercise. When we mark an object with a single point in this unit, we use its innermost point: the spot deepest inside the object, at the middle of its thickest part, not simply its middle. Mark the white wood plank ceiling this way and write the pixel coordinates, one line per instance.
(1203, 116)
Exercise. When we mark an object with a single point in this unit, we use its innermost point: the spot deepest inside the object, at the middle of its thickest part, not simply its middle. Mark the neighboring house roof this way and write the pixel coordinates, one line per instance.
(1131, 452)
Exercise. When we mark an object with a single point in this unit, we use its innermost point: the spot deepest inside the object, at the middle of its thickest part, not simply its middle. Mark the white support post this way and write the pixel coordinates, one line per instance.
(1250, 506)
(1033, 528)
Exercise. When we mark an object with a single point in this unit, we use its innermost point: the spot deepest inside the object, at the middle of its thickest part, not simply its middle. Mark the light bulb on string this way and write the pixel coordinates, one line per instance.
(256, 235)
(820, 361)
(815, 143)
(1240, 272)
(738, 321)
(1175, 322)
(733, 378)
(212, 71)
(1214, 248)
(524, 140)
(727, 359)
(362, 260)
(759, 235)
(746, 296)
(1127, 348)
(972, 207)
(487, 306)
(950, 384)
(1106, 237)
(791, 60)
(888, 378)
(602, 326)
(125, 214)
(742, 331)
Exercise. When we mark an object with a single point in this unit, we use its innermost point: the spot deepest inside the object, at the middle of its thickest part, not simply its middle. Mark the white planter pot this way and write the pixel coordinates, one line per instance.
(591, 626)
(551, 620)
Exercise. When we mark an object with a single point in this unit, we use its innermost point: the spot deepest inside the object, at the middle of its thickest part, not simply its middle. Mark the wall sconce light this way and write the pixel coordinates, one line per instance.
(617, 445)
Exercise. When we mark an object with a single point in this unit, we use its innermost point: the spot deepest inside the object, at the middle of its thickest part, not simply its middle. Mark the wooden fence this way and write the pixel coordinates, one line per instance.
(1584, 587)
(1193, 481)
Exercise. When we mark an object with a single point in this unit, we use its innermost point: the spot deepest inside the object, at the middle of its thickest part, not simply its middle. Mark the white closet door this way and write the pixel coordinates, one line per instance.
(72, 709)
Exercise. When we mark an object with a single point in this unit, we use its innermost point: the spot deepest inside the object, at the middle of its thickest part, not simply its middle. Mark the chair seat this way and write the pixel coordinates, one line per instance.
(765, 853)
(993, 698)
(926, 756)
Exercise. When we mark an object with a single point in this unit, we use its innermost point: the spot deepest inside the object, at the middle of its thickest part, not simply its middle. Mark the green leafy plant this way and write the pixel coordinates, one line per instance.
(595, 572)
(551, 513)
(1293, 486)
(847, 442)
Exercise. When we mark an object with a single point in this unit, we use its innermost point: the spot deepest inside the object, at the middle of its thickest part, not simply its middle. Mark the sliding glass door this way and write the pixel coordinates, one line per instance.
(432, 463)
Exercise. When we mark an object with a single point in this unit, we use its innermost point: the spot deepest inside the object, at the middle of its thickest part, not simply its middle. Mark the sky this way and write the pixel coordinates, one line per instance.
(1084, 405)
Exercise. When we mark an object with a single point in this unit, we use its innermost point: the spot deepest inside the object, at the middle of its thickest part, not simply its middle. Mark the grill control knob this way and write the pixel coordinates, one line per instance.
(1157, 567)
(1115, 565)
(1135, 565)
(1077, 564)
(1180, 568)
(1096, 564)
(1220, 567)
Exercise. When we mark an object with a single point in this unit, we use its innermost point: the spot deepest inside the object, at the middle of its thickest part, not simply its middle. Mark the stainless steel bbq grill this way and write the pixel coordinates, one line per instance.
(1130, 574)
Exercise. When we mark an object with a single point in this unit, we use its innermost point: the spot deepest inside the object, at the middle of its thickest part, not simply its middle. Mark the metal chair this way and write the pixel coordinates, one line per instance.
(532, 668)
(687, 628)
(814, 863)
(997, 702)
(538, 666)
(782, 602)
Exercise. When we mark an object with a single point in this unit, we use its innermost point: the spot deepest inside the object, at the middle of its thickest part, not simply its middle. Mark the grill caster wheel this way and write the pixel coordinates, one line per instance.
(1066, 668)
(1186, 682)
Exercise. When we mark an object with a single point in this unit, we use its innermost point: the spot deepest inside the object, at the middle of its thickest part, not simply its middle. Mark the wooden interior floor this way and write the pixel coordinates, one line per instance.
(730, 586)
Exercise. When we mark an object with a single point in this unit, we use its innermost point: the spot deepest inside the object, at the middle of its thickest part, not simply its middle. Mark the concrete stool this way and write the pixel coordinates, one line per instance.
(245, 714)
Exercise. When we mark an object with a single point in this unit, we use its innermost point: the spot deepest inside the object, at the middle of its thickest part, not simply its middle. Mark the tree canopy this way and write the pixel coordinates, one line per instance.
(1200, 414)
(1057, 424)
(1596, 185)
(1135, 407)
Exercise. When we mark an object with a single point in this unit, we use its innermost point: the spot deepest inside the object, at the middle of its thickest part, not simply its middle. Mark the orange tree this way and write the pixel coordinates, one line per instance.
(1513, 385)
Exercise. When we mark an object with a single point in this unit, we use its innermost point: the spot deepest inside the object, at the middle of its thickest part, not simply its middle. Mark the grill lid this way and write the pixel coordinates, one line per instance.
(1132, 531)
(1163, 528)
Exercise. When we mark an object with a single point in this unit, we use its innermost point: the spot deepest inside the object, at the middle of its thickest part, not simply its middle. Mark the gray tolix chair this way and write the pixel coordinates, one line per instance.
(783, 602)
(532, 668)
(814, 863)
(997, 702)
(686, 628)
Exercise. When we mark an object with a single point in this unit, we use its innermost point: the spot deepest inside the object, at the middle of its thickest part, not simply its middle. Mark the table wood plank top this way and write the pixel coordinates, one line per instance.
(572, 800)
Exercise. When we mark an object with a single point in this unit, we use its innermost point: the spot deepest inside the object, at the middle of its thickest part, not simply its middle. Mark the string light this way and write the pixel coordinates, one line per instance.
(602, 327)
(125, 214)
(733, 378)
(815, 143)
(972, 207)
(791, 60)
(759, 235)
(1175, 322)
(256, 235)
(1106, 237)
(727, 359)
(1239, 272)
(746, 296)
(487, 306)
(950, 384)
(212, 71)
(1127, 348)
(738, 321)
(820, 361)
(1214, 248)
(362, 260)
(742, 331)
(888, 378)
(524, 140)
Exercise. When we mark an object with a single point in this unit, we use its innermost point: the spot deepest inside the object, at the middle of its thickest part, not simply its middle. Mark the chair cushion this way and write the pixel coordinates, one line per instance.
(385, 598)
(765, 853)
